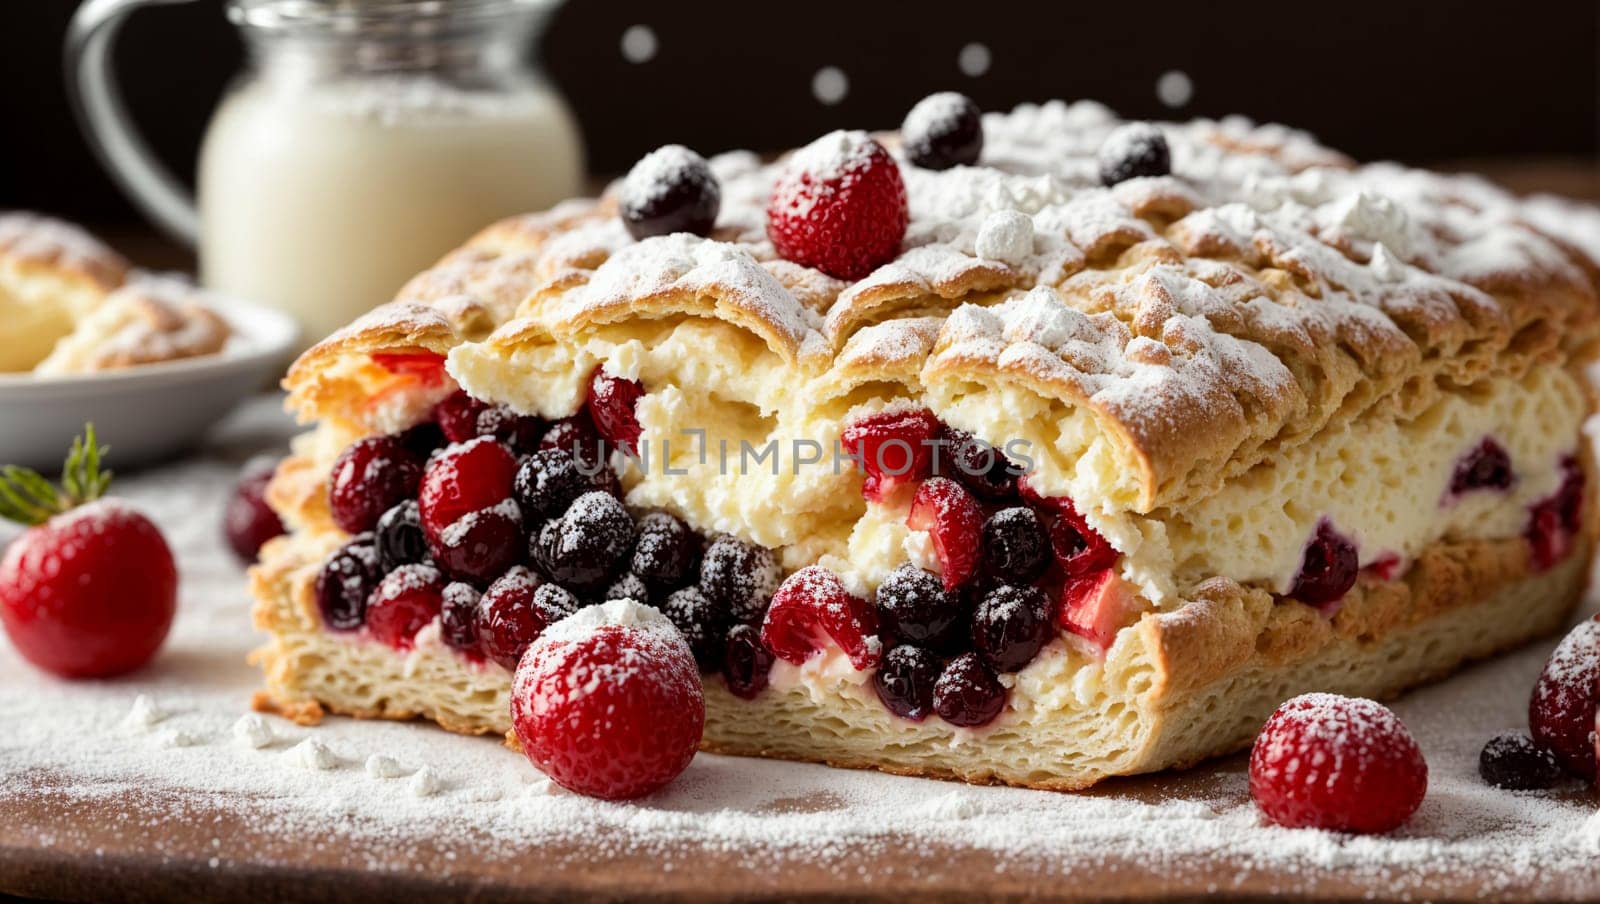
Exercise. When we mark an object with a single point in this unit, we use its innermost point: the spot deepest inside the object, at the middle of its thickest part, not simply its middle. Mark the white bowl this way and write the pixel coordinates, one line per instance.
(145, 414)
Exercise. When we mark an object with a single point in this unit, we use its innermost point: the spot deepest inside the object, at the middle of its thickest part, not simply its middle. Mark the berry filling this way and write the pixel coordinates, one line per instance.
(346, 580)
(813, 607)
(892, 449)
(406, 600)
(976, 465)
(746, 662)
(914, 607)
(1010, 626)
(1554, 523)
(479, 546)
(464, 478)
(1328, 570)
(1488, 467)
(954, 523)
(426, 365)
(905, 681)
(370, 477)
(457, 416)
(1096, 607)
(507, 618)
(967, 693)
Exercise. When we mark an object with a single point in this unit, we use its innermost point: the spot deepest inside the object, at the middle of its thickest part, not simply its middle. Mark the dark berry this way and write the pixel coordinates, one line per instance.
(346, 580)
(664, 555)
(406, 600)
(508, 621)
(479, 546)
(702, 623)
(584, 547)
(984, 470)
(1016, 547)
(943, 130)
(548, 481)
(457, 417)
(458, 616)
(914, 607)
(247, 521)
(518, 431)
(671, 189)
(967, 693)
(577, 437)
(1133, 150)
(611, 405)
(1328, 570)
(905, 681)
(423, 440)
(740, 577)
(746, 662)
(1554, 522)
(628, 587)
(1512, 761)
(555, 602)
(400, 538)
(370, 477)
(1487, 467)
(1010, 626)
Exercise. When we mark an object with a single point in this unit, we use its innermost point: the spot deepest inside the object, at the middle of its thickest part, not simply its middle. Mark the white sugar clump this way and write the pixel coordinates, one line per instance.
(384, 766)
(1006, 236)
(145, 714)
(1385, 265)
(312, 754)
(625, 613)
(173, 738)
(253, 731)
(424, 782)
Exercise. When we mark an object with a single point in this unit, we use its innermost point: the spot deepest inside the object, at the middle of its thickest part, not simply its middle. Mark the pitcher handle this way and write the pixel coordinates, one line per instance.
(105, 122)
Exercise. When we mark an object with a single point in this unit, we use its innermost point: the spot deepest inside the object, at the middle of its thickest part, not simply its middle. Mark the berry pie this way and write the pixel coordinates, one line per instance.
(1035, 447)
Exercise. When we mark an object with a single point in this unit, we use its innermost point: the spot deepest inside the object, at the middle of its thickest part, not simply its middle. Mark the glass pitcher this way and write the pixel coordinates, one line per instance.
(365, 139)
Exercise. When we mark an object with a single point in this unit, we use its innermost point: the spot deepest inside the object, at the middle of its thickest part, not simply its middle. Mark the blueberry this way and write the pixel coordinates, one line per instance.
(1487, 467)
(583, 548)
(628, 587)
(1132, 150)
(347, 578)
(671, 189)
(1010, 626)
(664, 555)
(943, 130)
(914, 607)
(423, 439)
(702, 622)
(1512, 761)
(984, 470)
(905, 680)
(1016, 548)
(400, 538)
(740, 577)
(555, 602)
(458, 616)
(547, 482)
(967, 694)
(746, 662)
(521, 432)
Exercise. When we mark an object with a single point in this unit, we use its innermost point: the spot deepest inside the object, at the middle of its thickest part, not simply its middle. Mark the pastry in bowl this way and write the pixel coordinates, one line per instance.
(1033, 448)
(71, 305)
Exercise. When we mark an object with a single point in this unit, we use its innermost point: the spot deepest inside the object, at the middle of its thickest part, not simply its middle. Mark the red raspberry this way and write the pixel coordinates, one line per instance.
(840, 206)
(954, 521)
(464, 478)
(370, 477)
(1338, 763)
(406, 600)
(1095, 606)
(458, 415)
(611, 406)
(420, 363)
(893, 448)
(608, 702)
(1561, 713)
(1079, 549)
(811, 608)
(247, 521)
(87, 592)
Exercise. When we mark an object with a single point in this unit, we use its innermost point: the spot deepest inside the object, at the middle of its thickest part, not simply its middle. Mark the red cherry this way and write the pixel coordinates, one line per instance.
(479, 546)
(457, 415)
(1337, 763)
(1079, 549)
(840, 206)
(406, 600)
(464, 478)
(610, 710)
(247, 521)
(90, 593)
(954, 522)
(893, 448)
(611, 405)
(370, 477)
(812, 608)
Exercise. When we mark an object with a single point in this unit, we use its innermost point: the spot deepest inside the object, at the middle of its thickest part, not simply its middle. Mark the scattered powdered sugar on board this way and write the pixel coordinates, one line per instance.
(482, 810)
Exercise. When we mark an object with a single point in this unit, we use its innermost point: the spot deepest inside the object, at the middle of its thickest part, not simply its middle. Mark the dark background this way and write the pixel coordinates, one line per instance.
(1408, 79)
